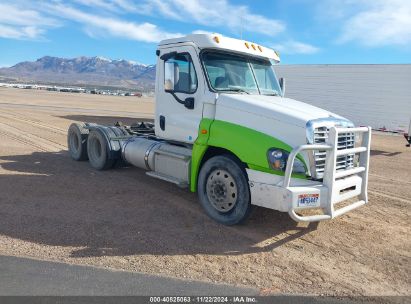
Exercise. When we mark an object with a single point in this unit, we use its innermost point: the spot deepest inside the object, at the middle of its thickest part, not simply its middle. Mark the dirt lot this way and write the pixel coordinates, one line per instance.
(56, 209)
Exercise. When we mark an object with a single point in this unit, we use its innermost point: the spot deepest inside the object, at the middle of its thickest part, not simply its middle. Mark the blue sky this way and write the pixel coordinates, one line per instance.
(303, 31)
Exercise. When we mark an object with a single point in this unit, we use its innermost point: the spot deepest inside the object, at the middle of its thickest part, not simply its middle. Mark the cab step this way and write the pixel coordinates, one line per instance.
(168, 178)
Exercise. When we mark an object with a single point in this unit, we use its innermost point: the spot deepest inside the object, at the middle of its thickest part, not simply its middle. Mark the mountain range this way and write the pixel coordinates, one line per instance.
(83, 71)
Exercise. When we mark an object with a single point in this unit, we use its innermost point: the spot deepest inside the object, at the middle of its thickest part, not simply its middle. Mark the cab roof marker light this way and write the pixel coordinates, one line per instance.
(260, 48)
(253, 46)
(246, 45)
(216, 39)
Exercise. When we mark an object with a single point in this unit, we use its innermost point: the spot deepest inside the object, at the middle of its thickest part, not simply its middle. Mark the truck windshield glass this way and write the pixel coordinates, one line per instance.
(233, 73)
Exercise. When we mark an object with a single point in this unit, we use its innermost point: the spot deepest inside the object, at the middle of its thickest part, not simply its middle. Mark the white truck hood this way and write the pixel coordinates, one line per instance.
(286, 110)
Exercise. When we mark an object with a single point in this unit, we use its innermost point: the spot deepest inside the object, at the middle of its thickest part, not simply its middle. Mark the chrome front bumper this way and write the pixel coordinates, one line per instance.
(291, 195)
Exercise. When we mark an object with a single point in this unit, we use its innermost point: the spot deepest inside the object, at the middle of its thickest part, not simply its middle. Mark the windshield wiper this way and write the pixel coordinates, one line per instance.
(234, 90)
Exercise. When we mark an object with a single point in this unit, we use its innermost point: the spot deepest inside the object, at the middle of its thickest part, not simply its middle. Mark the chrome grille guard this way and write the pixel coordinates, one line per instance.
(333, 179)
(318, 133)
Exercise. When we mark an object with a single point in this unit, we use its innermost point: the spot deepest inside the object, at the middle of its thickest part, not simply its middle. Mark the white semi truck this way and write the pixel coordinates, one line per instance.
(224, 129)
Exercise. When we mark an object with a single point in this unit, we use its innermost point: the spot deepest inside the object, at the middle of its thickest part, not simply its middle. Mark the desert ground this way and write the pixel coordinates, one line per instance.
(53, 208)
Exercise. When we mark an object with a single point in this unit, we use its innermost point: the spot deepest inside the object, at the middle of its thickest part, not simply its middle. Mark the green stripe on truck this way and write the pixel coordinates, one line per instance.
(249, 145)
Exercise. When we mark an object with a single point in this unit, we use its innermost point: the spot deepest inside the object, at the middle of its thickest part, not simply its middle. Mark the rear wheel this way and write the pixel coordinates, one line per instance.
(223, 190)
(77, 141)
(97, 150)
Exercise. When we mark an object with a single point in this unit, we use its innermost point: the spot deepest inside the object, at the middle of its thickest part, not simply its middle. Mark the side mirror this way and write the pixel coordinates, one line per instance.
(282, 85)
(169, 77)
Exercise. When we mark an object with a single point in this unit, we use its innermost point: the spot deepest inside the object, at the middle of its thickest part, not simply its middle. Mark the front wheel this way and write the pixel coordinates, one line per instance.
(223, 190)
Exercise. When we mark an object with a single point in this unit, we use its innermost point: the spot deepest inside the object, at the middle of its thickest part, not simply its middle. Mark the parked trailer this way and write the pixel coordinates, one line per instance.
(224, 129)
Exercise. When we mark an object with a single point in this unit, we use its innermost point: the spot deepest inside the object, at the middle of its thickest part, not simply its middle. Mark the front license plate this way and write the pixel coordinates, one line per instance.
(308, 200)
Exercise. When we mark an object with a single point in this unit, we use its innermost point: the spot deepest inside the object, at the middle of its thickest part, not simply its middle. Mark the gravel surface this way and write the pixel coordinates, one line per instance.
(32, 277)
(53, 208)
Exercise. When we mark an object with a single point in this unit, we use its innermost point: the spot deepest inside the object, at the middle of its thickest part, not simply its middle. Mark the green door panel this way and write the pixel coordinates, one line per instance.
(249, 145)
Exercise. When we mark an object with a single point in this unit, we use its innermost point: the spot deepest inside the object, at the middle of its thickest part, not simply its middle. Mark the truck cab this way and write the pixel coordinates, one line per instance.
(224, 128)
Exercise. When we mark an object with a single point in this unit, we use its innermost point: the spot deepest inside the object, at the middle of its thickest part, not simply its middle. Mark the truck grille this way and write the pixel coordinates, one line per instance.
(345, 141)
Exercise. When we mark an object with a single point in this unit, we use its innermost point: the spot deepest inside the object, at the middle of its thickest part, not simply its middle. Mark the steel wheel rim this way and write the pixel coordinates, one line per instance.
(221, 190)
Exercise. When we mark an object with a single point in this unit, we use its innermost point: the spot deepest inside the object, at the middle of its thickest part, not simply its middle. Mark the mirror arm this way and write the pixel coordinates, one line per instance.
(176, 97)
(188, 103)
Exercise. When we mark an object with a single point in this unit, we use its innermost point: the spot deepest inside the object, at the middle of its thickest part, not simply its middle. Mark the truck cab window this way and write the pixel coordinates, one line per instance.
(228, 72)
(234, 73)
(265, 76)
(179, 74)
(217, 77)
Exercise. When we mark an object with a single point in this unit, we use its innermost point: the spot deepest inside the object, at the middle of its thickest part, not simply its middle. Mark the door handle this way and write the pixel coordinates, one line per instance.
(162, 122)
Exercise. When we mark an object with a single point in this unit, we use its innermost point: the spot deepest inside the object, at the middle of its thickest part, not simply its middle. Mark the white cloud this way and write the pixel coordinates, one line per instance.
(372, 23)
(159, 7)
(111, 5)
(214, 13)
(97, 25)
(32, 20)
(108, 5)
(211, 13)
(382, 23)
(295, 47)
(102, 18)
(125, 4)
(20, 23)
(20, 32)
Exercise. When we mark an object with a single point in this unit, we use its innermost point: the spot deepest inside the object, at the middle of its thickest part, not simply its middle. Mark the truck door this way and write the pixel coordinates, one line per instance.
(179, 89)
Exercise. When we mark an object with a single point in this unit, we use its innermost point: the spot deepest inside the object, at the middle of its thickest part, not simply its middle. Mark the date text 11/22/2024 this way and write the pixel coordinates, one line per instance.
(203, 299)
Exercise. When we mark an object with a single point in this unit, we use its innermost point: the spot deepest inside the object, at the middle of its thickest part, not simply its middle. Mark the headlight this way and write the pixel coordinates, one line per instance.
(277, 160)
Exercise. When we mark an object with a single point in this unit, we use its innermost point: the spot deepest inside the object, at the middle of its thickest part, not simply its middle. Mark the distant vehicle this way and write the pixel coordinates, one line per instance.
(224, 129)
(408, 135)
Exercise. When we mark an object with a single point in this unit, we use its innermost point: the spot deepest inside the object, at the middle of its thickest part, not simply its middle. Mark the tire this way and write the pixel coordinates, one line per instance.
(223, 190)
(77, 141)
(97, 151)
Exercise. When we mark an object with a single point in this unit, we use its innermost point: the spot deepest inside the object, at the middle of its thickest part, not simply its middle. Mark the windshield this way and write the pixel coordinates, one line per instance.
(235, 73)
